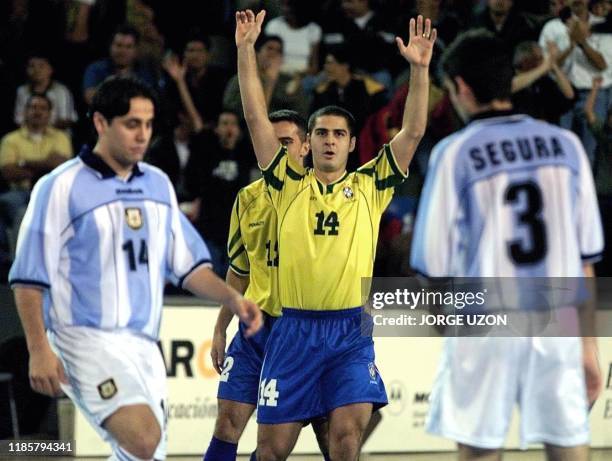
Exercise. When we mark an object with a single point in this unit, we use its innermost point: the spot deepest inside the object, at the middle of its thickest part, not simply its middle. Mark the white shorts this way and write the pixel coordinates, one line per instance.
(110, 369)
(479, 381)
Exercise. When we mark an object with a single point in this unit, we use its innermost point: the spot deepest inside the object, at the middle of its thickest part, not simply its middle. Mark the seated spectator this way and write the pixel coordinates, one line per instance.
(205, 82)
(367, 35)
(510, 25)
(27, 154)
(280, 89)
(536, 92)
(301, 40)
(360, 95)
(39, 72)
(122, 60)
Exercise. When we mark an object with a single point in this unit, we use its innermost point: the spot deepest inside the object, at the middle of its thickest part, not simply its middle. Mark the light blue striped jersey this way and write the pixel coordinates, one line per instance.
(103, 247)
(507, 196)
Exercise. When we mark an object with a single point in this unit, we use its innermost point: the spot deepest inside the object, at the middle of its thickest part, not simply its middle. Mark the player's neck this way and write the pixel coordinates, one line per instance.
(494, 106)
(328, 177)
(121, 170)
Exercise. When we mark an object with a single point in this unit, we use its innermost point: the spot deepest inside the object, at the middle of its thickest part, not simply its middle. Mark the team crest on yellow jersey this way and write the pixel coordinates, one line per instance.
(348, 192)
(133, 217)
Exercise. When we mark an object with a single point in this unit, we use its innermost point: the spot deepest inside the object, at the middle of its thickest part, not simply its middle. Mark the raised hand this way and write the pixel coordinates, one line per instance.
(172, 65)
(248, 26)
(420, 44)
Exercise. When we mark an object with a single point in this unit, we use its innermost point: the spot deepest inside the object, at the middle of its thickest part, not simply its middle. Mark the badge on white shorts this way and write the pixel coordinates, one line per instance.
(107, 389)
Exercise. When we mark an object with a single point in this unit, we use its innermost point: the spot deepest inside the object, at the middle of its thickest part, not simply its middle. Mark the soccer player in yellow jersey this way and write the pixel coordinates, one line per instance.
(253, 254)
(317, 361)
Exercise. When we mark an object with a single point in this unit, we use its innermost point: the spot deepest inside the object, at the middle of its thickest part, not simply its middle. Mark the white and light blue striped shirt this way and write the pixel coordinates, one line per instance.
(103, 247)
(507, 196)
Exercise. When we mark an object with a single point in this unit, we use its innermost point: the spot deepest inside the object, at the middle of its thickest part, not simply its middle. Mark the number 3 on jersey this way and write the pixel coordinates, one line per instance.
(268, 395)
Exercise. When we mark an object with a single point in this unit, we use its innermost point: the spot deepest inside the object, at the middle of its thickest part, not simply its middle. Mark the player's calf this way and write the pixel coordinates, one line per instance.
(468, 453)
(232, 418)
(556, 453)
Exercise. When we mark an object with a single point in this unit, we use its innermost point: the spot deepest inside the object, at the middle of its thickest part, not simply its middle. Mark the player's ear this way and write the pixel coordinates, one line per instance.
(463, 88)
(100, 122)
(352, 144)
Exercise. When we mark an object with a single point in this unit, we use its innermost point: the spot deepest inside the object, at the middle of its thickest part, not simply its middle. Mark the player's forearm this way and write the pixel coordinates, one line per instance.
(588, 308)
(565, 53)
(225, 314)
(203, 282)
(29, 303)
(414, 121)
(254, 105)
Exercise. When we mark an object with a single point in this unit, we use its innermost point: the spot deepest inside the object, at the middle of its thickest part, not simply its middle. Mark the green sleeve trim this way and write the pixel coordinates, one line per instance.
(393, 162)
(235, 238)
(238, 270)
(268, 173)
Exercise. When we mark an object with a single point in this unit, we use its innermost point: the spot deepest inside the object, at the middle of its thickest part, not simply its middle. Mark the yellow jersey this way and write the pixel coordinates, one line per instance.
(327, 234)
(252, 246)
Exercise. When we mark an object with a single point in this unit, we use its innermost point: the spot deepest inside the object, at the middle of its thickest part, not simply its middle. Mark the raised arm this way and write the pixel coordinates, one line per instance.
(418, 53)
(177, 71)
(589, 104)
(265, 142)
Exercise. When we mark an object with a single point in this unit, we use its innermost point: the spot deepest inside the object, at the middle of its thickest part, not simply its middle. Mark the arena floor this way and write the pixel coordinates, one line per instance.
(532, 455)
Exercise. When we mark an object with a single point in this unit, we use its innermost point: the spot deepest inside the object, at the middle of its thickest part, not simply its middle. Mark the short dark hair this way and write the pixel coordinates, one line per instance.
(263, 39)
(195, 35)
(112, 98)
(291, 116)
(41, 96)
(483, 61)
(127, 29)
(332, 110)
(342, 54)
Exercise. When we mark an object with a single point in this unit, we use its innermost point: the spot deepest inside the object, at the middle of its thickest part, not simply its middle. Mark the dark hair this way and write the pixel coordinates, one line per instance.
(112, 98)
(332, 110)
(342, 54)
(263, 39)
(41, 96)
(231, 112)
(522, 51)
(484, 63)
(195, 35)
(127, 29)
(291, 116)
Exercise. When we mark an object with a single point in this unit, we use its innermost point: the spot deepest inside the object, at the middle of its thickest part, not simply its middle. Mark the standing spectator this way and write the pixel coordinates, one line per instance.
(25, 155)
(360, 95)
(367, 35)
(39, 72)
(602, 130)
(121, 62)
(227, 162)
(506, 22)
(301, 40)
(281, 90)
(205, 82)
(546, 94)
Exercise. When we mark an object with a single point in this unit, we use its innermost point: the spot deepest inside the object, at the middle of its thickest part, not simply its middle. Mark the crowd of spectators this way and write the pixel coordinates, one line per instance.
(54, 53)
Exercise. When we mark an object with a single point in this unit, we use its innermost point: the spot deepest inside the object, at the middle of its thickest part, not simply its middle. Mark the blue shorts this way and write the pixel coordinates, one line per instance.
(239, 378)
(317, 361)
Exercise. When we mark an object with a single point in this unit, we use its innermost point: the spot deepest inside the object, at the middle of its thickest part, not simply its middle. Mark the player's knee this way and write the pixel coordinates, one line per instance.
(345, 443)
(272, 452)
(231, 423)
(144, 444)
